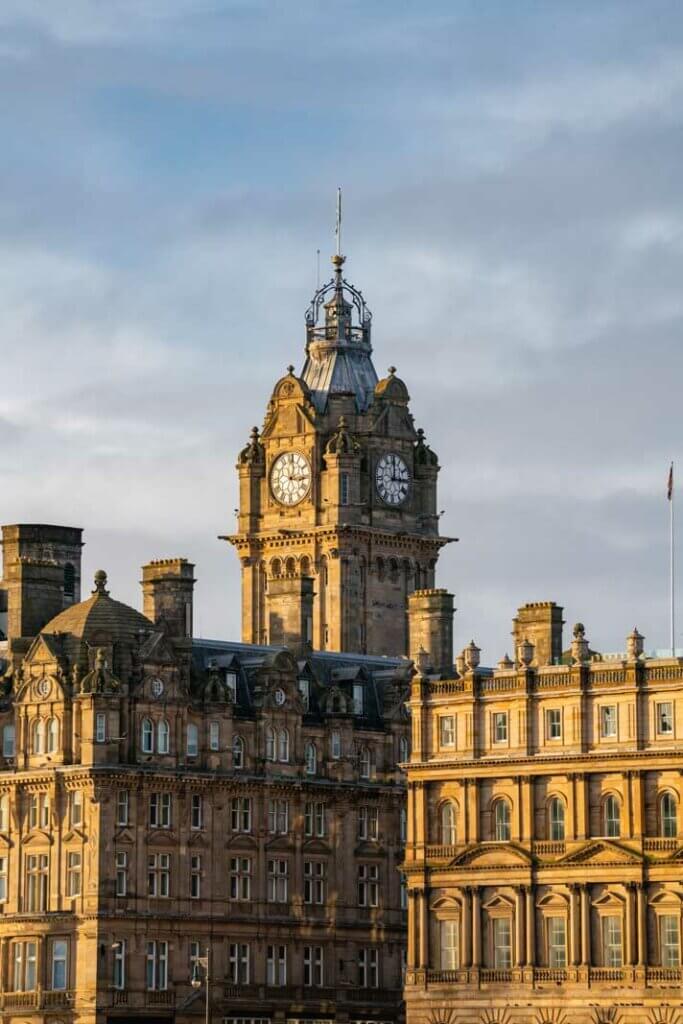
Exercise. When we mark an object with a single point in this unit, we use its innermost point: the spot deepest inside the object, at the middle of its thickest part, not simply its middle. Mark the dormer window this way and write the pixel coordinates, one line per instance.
(305, 692)
(358, 699)
(335, 745)
(100, 727)
(147, 736)
(163, 737)
(231, 685)
(52, 736)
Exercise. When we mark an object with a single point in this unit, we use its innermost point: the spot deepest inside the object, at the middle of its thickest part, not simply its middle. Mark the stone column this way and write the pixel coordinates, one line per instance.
(424, 931)
(573, 921)
(530, 927)
(629, 925)
(412, 913)
(627, 826)
(466, 930)
(637, 804)
(642, 925)
(581, 805)
(519, 927)
(585, 926)
(476, 927)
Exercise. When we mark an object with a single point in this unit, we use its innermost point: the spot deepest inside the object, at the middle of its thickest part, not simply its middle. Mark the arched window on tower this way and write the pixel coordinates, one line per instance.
(192, 740)
(163, 737)
(270, 744)
(283, 746)
(38, 736)
(311, 758)
(52, 735)
(8, 742)
(147, 736)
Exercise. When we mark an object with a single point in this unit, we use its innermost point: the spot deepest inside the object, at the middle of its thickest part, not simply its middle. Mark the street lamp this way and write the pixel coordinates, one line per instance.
(196, 980)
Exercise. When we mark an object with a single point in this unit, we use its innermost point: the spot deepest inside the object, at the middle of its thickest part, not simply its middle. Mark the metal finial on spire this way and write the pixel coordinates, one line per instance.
(338, 226)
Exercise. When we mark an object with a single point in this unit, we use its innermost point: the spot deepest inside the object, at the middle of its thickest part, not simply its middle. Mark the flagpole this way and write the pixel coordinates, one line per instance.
(671, 573)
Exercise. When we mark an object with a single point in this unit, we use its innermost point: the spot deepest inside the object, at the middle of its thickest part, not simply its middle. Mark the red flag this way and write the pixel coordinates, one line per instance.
(670, 483)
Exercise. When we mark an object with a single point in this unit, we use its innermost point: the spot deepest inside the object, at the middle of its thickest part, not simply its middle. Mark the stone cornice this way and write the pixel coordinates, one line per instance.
(339, 532)
(578, 762)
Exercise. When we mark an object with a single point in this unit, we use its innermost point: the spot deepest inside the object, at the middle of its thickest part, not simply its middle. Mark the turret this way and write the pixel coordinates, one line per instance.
(167, 587)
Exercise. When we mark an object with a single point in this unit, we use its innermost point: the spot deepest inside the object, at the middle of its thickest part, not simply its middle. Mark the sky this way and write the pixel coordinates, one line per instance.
(513, 213)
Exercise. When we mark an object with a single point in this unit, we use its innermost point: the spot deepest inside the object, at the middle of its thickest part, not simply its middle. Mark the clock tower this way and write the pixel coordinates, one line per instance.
(338, 522)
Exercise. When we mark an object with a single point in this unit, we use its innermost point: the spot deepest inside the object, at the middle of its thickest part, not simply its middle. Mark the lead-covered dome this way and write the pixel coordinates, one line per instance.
(99, 618)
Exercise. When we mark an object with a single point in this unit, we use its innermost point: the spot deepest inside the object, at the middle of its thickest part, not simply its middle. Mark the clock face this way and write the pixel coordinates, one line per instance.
(392, 478)
(43, 687)
(157, 687)
(290, 478)
(279, 696)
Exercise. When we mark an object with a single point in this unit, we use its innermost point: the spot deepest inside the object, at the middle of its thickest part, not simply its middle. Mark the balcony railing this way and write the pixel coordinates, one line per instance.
(556, 974)
(160, 997)
(664, 975)
(549, 848)
(442, 852)
(498, 975)
(659, 844)
(37, 1000)
(606, 974)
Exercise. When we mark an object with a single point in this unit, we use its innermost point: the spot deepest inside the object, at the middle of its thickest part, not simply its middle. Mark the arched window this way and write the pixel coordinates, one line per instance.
(270, 744)
(364, 762)
(283, 746)
(311, 759)
(501, 819)
(668, 816)
(192, 740)
(305, 566)
(275, 567)
(556, 819)
(163, 737)
(147, 736)
(52, 735)
(290, 567)
(38, 736)
(448, 823)
(403, 749)
(4, 813)
(237, 752)
(612, 816)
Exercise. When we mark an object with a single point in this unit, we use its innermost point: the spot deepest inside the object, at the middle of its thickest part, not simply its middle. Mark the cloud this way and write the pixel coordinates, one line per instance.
(512, 213)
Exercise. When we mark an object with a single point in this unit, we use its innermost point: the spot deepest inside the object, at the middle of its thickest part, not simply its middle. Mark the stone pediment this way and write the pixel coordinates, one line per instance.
(499, 902)
(602, 851)
(242, 841)
(37, 838)
(161, 837)
(5, 841)
(493, 854)
(45, 650)
(198, 839)
(283, 843)
(74, 834)
(157, 650)
(125, 835)
(316, 846)
(369, 850)
(677, 855)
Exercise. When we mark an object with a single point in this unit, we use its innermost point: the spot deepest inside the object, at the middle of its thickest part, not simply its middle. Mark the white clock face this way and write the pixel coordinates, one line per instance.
(280, 697)
(290, 478)
(157, 687)
(392, 478)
